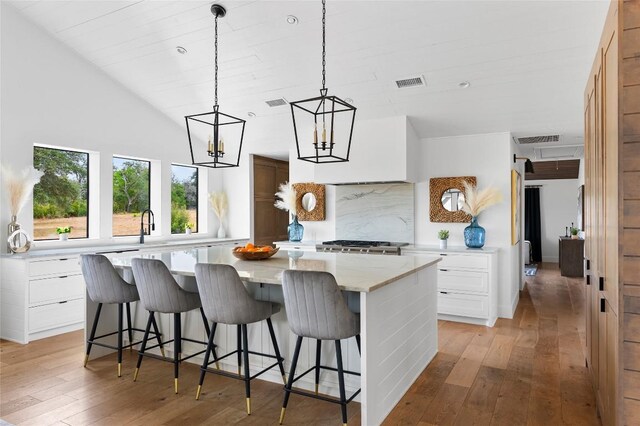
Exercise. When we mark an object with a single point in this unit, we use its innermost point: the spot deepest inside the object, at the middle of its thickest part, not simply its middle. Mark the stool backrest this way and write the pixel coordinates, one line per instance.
(104, 284)
(159, 291)
(224, 297)
(316, 307)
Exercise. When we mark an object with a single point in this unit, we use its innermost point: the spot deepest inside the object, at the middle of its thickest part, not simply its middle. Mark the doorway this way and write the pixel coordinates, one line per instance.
(269, 223)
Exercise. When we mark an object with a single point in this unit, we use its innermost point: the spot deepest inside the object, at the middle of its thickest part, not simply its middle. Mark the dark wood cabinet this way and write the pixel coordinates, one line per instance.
(571, 257)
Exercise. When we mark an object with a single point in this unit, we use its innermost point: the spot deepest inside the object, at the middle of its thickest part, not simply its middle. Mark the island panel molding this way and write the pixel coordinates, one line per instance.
(437, 187)
(318, 191)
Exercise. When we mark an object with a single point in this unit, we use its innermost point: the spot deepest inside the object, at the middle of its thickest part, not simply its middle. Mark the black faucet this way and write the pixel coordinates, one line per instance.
(150, 226)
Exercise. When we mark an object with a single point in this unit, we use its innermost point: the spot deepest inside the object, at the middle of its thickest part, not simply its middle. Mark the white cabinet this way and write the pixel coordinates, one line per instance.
(41, 297)
(296, 246)
(467, 283)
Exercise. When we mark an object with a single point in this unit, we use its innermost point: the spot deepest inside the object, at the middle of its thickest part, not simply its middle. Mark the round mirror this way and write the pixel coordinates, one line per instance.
(452, 199)
(308, 201)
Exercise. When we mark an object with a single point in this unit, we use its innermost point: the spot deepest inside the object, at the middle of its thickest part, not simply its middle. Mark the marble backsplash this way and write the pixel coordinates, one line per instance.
(383, 212)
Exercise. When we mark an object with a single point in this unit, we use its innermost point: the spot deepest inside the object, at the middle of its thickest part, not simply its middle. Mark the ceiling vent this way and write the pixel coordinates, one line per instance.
(538, 139)
(277, 102)
(411, 82)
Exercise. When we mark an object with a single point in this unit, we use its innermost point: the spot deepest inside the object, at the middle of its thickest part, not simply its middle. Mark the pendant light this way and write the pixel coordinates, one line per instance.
(215, 137)
(323, 126)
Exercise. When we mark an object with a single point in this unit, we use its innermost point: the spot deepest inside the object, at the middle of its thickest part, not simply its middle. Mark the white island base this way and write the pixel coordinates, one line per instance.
(397, 319)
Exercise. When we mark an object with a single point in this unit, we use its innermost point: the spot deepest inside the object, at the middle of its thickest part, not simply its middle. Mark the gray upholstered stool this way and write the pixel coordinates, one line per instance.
(159, 292)
(226, 300)
(105, 285)
(316, 309)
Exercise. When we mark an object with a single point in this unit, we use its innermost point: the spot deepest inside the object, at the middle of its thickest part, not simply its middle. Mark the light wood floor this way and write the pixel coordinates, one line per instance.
(529, 370)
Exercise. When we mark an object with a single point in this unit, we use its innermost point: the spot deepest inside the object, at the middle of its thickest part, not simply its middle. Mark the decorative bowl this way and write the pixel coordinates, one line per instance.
(253, 255)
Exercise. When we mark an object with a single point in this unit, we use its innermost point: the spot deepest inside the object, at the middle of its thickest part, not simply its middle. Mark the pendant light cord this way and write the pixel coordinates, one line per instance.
(324, 53)
(216, 63)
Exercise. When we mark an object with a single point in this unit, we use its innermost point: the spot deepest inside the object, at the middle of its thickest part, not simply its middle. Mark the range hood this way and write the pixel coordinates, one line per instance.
(382, 150)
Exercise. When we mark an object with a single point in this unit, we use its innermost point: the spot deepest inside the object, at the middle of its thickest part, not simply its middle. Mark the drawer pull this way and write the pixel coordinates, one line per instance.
(443, 254)
(63, 259)
(444, 270)
(60, 303)
(588, 279)
(603, 305)
(444, 292)
(63, 276)
(588, 264)
(601, 284)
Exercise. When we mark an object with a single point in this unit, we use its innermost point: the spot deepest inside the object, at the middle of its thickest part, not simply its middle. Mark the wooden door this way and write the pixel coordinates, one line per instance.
(269, 223)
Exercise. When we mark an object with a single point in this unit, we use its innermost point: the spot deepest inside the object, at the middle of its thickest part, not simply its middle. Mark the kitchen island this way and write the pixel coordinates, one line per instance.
(395, 295)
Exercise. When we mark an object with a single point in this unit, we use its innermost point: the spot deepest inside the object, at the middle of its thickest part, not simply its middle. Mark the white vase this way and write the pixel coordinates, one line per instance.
(443, 244)
(187, 231)
(63, 237)
(221, 232)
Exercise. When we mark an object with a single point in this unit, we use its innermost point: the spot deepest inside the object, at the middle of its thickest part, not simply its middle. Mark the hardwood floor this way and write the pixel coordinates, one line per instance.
(528, 370)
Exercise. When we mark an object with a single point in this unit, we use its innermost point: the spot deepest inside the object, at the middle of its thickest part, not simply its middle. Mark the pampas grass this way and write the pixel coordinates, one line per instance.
(219, 204)
(475, 202)
(19, 186)
(287, 198)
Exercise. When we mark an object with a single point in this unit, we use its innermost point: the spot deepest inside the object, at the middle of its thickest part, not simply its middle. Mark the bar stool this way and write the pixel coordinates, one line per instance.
(105, 285)
(316, 309)
(159, 292)
(226, 301)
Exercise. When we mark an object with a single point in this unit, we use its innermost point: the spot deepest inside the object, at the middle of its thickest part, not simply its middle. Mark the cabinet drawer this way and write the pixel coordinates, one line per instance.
(56, 289)
(54, 315)
(463, 281)
(466, 261)
(464, 305)
(67, 265)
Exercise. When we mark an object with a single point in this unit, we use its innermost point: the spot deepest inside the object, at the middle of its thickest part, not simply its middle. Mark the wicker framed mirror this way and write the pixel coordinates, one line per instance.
(446, 196)
(310, 203)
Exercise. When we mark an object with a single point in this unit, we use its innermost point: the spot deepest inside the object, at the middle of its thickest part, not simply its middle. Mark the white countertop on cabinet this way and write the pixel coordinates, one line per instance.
(353, 272)
(450, 249)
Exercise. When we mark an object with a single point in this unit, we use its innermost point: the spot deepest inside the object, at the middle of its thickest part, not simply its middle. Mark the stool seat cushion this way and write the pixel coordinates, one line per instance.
(225, 299)
(159, 291)
(104, 284)
(316, 307)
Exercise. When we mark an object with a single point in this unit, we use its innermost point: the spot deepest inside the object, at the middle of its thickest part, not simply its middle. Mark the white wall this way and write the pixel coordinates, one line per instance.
(52, 96)
(489, 157)
(558, 208)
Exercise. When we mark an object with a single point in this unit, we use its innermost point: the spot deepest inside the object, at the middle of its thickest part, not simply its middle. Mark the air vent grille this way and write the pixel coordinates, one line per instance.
(411, 82)
(276, 102)
(538, 139)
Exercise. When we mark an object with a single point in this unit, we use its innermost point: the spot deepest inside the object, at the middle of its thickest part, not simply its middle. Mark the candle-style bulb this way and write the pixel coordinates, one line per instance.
(315, 134)
(210, 144)
(324, 133)
(221, 145)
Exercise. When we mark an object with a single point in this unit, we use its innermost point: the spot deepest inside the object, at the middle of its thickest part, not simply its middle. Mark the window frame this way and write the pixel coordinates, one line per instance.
(197, 195)
(87, 154)
(113, 235)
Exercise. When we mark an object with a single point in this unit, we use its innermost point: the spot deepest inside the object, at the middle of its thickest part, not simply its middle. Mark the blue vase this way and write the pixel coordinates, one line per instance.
(474, 234)
(296, 230)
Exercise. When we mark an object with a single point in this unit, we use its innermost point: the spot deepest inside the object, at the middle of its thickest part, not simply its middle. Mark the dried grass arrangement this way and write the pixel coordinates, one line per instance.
(219, 204)
(287, 198)
(476, 201)
(19, 186)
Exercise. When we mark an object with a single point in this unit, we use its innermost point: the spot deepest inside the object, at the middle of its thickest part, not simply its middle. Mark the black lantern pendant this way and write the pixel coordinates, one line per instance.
(323, 126)
(208, 131)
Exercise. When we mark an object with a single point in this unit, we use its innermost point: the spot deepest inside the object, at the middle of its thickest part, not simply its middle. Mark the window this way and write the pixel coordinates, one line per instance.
(184, 199)
(131, 194)
(61, 199)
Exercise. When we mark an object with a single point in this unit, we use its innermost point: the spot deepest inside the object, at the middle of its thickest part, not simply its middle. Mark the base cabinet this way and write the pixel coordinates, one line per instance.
(467, 283)
(41, 297)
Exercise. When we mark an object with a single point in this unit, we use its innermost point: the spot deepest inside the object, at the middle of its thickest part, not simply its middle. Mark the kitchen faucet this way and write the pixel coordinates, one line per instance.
(151, 224)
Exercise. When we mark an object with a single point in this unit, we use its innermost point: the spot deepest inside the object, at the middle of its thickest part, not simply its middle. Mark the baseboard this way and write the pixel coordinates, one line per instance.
(509, 311)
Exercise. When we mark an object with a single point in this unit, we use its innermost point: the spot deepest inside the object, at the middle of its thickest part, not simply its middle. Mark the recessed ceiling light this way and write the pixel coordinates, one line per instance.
(251, 114)
(181, 50)
(464, 85)
(292, 20)
(348, 100)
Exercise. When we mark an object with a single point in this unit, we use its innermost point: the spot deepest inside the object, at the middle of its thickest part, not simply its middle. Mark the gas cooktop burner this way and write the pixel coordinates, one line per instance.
(356, 243)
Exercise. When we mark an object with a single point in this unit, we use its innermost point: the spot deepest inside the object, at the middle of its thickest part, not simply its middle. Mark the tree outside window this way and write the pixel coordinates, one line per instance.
(131, 194)
(61, 199)
(184, 199)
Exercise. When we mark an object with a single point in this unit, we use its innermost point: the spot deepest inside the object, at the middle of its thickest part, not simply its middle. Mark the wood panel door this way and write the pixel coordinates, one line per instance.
(269, 223)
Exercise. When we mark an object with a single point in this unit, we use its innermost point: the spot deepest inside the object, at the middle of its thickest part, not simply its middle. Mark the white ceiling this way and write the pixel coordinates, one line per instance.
(527, 61)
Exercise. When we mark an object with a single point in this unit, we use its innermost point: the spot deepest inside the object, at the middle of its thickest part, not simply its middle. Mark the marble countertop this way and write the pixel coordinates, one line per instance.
(297, 243)
(450, 249)
(353, 272)
(106, 247)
